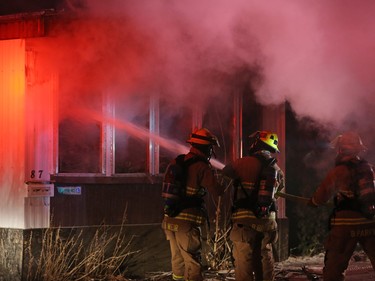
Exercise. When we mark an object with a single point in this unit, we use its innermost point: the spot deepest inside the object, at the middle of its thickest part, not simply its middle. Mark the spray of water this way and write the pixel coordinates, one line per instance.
(144, 134)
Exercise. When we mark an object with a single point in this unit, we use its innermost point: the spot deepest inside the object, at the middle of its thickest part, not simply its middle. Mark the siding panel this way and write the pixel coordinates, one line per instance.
(12, 138)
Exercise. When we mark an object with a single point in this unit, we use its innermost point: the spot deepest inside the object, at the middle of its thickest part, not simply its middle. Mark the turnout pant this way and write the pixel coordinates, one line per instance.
(340, 245)
(185, 247)
(252, 252)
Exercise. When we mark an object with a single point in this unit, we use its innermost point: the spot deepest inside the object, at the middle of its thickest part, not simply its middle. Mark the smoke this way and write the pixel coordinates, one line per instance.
(317, 55)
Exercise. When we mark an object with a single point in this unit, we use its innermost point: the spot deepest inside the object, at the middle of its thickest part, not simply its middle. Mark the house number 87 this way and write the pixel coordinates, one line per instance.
(34, 174)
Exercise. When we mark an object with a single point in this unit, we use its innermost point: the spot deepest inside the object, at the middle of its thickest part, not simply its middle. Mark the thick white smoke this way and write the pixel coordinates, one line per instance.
(317, 55)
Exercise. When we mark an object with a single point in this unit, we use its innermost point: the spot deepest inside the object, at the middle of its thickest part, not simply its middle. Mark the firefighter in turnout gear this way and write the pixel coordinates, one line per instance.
(182, 224)
(350, 223)
(257, 178)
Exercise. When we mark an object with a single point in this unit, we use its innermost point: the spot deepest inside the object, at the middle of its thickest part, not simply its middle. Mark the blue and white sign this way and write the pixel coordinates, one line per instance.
(69, 190)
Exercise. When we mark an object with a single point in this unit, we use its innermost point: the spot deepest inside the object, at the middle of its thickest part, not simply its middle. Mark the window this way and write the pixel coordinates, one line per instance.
(79, 134)
(130, 143)
(79, 146)
(176, 125)
(123, 134)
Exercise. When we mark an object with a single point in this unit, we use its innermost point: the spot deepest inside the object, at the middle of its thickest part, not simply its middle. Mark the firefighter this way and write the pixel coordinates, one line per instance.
(184, 229)
(257, 177)
(348, 224)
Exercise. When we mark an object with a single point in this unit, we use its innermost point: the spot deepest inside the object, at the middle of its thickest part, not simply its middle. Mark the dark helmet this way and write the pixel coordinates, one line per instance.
(265, 140)
(348, 143)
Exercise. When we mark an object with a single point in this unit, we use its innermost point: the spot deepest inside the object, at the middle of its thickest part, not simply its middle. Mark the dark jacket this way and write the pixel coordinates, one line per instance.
(200, 180)
(247, 170)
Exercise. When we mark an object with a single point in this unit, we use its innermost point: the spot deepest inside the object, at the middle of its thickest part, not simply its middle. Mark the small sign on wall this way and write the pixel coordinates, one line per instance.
(69, 190)
(39, 190)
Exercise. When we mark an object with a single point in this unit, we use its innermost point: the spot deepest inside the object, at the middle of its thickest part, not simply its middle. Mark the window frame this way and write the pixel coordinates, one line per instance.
(152, 156)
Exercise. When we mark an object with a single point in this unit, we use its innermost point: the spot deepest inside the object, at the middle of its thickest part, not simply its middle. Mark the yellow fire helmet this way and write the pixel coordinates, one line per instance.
(203, 136)
(268, 138)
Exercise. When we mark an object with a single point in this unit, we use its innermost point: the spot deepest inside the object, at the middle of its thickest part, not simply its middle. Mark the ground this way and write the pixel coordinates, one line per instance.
(152, 263)
(294, 268)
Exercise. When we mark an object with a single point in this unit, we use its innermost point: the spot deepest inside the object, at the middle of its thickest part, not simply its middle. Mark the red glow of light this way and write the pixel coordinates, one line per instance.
(12, 132)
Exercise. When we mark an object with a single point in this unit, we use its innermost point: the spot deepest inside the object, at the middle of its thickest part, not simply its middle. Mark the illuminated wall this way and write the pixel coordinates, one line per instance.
(12, 133)
(40, 112)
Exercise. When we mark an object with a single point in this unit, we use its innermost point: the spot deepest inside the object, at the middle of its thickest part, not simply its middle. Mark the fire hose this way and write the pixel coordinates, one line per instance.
(293, 198)
(298, 199)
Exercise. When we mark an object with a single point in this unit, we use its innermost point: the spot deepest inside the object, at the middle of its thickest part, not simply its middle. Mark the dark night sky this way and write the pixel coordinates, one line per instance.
(22, 6)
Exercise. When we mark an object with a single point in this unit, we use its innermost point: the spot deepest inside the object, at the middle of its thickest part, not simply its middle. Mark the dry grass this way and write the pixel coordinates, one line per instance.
(218, 254)
(83, 254)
